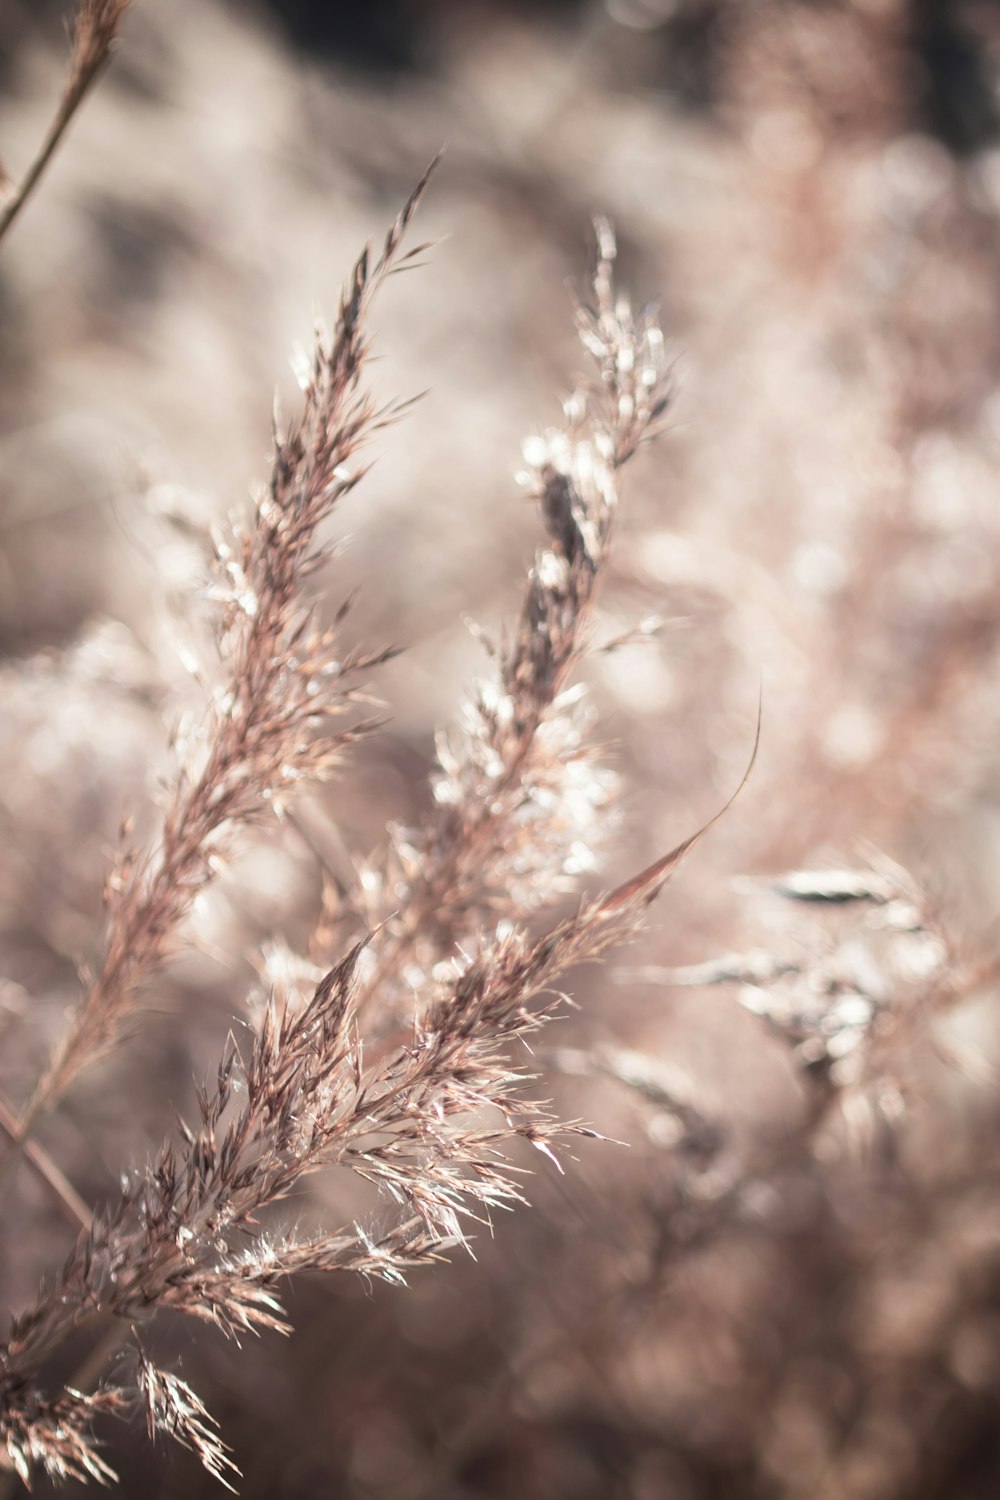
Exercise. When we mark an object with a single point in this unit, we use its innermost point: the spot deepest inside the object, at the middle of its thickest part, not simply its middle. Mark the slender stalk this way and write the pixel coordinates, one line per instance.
(95, 25)
(270, 728)
(73, 1207)
(68, 106)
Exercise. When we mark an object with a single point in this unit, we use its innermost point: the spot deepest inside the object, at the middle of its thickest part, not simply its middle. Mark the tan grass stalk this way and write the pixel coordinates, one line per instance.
(96, 24)
(270, 725)
(518, 797)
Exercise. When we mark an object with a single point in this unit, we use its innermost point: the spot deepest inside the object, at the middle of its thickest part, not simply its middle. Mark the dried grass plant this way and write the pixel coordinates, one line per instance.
(397, 1065)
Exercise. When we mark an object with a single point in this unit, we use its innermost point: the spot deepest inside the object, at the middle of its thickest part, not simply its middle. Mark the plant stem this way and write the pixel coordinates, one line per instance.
(73, 1207)
(70, 102)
